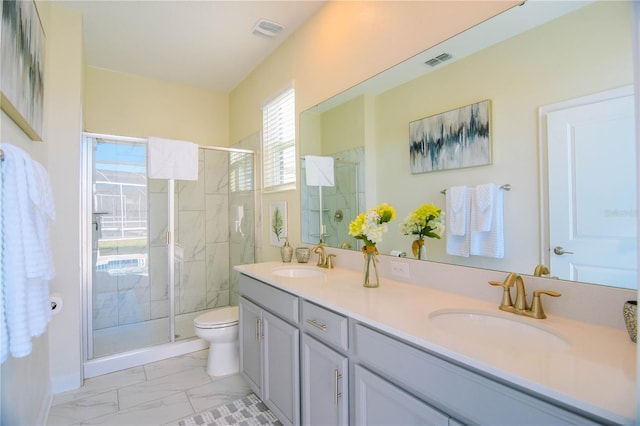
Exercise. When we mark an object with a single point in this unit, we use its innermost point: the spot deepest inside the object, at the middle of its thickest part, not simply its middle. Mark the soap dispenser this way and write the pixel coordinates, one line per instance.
(286, 251)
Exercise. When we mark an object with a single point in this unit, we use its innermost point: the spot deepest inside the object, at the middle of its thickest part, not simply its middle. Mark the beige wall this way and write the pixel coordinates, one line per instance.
(64, 125)
(129, 105)
(343, 127)
(544, 66)
(341, 45)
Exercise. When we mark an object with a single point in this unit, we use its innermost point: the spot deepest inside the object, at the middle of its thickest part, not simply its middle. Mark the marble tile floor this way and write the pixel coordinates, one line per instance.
(160, 393)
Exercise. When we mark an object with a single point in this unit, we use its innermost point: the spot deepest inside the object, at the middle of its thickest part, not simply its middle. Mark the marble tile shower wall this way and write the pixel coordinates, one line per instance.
(345, 199)
(202, 236)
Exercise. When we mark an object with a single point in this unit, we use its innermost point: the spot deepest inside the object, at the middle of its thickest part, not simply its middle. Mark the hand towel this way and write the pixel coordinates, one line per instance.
(44, 209)
(457, 211)
(491, 243)
(459, 245)
(172, 159)
(319, 170)
(27, 266)
(483, 207)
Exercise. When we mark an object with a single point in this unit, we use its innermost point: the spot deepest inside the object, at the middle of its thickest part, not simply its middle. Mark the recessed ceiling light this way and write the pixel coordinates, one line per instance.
(266, 28)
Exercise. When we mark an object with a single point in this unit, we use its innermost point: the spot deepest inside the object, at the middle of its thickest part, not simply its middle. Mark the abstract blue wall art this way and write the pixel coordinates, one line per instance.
(451, 140)
(22, 66)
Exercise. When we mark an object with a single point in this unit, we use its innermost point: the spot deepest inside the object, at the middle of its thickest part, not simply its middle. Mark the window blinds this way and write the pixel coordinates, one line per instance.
(278, 142)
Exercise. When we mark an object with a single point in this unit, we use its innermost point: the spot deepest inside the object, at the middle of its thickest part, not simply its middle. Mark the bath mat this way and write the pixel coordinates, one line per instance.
(247, 411)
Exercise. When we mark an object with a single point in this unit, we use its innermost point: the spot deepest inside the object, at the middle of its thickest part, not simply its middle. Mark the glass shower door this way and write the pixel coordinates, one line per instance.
(123, 316)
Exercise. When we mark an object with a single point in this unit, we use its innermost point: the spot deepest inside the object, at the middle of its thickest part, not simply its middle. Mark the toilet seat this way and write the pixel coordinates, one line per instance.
(218, 318)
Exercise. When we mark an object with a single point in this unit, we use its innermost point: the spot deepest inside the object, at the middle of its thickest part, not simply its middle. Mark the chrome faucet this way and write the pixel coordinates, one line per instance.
(324, 260)
(520, 306)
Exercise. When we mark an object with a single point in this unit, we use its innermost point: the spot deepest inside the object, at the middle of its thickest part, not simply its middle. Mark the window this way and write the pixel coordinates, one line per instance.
(278, 142)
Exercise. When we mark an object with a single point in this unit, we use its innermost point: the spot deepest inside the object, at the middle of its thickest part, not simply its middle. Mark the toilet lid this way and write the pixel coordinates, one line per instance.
(218, 317)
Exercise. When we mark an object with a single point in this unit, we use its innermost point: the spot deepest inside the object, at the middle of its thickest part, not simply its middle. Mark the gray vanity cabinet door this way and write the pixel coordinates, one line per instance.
(281, 386)
(250, 344)
(324, 384)
(378, 402)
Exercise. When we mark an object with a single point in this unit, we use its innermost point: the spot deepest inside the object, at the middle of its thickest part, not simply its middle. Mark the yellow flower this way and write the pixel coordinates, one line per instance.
(386, 212)
(425, 221)
(370, 226)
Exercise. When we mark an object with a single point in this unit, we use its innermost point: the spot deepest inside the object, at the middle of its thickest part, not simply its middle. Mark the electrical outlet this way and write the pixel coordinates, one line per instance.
(400, 269)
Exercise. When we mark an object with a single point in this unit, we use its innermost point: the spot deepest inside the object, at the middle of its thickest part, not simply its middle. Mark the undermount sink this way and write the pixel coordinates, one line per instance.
(297, 272)
(498, 331)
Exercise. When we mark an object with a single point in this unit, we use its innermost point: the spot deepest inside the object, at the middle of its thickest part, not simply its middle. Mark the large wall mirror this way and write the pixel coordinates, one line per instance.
(555, 74)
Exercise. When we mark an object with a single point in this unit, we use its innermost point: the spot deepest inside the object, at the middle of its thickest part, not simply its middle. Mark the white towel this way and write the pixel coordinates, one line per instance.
(490, 243)
(27, 266)
(483, 207)
(457, 210)
(459, 245)
(319, 170)
(172, 159)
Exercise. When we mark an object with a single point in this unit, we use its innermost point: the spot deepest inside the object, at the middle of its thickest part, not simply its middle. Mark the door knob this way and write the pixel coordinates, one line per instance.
(560, 251)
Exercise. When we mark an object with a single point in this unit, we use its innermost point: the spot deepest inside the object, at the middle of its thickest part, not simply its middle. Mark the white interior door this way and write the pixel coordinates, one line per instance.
(592, 192)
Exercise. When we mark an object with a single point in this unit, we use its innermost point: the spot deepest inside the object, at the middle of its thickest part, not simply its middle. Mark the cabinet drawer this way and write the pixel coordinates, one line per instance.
(324, 324)
(468, 396)
(279, 302)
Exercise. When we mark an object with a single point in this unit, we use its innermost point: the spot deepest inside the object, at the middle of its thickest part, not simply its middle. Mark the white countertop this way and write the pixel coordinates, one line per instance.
(596, 372)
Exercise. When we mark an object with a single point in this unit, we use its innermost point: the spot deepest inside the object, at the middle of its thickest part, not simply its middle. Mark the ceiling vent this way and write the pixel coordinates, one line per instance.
(266, 28)
(438, 59)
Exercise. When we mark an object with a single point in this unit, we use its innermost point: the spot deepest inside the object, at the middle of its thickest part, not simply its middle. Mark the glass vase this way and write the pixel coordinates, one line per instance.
(419, 249)
(371, 279)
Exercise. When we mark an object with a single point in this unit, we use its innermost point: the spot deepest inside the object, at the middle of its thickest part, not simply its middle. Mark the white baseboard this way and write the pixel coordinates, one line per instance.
(66, 383)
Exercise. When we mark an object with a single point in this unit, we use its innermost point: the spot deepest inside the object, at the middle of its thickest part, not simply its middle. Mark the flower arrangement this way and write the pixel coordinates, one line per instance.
(426, 221)
(370, 226)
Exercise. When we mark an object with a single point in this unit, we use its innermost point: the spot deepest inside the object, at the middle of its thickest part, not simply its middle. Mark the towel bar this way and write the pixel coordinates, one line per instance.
(505, 187)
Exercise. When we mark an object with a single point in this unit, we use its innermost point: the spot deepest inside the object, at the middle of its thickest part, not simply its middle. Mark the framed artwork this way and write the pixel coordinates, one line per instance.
(22, 66)
(277, 223)
(451, 140)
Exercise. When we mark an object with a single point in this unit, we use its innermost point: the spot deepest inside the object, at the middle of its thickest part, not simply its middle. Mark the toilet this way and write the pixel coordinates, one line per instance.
(219, 327)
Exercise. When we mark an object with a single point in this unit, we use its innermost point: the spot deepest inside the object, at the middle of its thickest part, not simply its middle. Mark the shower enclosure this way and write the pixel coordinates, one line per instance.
(159, 252)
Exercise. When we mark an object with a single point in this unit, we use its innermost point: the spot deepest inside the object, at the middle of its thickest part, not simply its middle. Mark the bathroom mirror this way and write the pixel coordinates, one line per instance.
(529, 61)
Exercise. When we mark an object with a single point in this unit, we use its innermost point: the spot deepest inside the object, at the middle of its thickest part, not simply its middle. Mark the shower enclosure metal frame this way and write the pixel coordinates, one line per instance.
(105, 364)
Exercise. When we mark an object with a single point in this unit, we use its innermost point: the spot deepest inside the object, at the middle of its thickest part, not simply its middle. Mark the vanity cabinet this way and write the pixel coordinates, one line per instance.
(320, 367)
(325, 371)
(269, 347)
